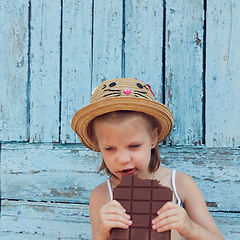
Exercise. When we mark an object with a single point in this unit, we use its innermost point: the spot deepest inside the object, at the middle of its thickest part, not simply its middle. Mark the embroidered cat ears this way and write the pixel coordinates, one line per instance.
(121, 94)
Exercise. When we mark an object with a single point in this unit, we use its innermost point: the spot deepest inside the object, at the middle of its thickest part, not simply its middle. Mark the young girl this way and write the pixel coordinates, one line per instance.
(125, 124)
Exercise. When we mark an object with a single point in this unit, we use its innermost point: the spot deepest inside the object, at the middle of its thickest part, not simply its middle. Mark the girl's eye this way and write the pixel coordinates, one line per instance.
(134, 146)
(109, 149)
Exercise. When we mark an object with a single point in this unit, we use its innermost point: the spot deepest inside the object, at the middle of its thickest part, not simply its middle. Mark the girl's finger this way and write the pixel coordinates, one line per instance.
(165, 223)
(114, 204)
(117, 218)
(167, 206)
(166, 214)
(117, 204)
(167, 227)
(114, 210)
(114, 215)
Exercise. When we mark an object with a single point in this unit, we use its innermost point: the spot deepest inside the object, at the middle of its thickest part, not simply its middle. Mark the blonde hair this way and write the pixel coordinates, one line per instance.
(155, 159)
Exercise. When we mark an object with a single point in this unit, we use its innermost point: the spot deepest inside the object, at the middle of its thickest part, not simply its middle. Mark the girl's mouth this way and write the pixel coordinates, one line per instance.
(128, 171)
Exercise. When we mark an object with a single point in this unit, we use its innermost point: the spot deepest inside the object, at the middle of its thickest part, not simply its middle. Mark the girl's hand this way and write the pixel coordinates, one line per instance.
(112, 215)
(172, 216)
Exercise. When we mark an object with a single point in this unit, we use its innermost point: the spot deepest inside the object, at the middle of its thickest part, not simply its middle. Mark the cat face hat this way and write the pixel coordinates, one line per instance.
(121, 94)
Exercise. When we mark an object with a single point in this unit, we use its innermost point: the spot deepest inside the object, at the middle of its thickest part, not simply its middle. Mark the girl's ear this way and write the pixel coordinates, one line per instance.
(155, 137)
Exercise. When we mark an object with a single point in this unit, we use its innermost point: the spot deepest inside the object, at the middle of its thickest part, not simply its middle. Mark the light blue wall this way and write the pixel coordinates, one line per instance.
(53, 53)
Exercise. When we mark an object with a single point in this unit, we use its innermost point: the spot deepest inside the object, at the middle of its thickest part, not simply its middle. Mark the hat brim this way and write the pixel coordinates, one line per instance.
(83, 117)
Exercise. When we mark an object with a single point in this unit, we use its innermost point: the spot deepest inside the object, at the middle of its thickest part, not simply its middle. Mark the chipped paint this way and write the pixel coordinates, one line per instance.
(44, 196)
(184, 71)
(51, 75)
(212, 204)
(222, 74)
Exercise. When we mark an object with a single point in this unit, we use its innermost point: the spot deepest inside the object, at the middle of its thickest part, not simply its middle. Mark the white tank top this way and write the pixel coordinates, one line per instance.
(173, 184)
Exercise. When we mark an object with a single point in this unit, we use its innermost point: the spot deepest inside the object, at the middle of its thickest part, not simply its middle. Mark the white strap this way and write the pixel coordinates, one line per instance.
(110, 189)
(174, 187)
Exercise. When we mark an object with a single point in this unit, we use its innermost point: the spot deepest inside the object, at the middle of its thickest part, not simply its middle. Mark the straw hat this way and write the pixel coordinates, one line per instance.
(121, 94)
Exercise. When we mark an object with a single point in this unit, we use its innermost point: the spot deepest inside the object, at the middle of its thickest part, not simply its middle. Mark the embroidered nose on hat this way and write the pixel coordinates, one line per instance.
(127, 91)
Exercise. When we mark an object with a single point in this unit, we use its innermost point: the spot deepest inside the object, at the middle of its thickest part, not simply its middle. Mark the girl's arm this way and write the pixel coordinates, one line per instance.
(194, 222)
(105, 215)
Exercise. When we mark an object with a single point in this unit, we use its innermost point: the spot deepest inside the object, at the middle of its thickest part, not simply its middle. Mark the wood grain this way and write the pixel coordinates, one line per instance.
(144, 43)
(45, 69)
(46, 187)
(184, 70)
(222, 74)
(14, 70)
(76, 63)
(107, 41)
(54, 53)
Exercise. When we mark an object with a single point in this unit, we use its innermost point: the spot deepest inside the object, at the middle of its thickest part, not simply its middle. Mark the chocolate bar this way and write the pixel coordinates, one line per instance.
(141, 199)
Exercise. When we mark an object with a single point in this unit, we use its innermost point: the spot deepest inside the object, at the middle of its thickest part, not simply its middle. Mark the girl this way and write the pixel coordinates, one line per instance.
(125, 124)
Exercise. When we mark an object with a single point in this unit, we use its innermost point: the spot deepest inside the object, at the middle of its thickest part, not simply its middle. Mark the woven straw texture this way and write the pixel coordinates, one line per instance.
(121, 94)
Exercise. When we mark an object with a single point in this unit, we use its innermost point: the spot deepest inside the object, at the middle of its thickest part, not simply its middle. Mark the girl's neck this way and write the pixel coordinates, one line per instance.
(115, 181)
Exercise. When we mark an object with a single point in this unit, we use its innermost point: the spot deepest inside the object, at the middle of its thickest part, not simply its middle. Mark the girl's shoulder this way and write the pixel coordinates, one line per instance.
(100, 192)
(98, 198)
(185, 184)
(191, 196)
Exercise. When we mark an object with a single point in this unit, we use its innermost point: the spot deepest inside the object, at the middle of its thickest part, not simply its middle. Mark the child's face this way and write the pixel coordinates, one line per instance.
(126, 145)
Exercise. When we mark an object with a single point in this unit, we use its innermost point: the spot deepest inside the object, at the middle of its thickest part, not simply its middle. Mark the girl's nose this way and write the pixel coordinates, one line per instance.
(123, 158)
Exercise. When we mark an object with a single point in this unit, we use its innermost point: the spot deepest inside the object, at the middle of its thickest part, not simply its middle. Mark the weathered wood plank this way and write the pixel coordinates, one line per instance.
(94, 49)
(76, 63)
(143, 43)
(222, 74)
(216, 171)
(107, 41)
(228, 223)
(14, 70)
(47, 172)
(67, 173)
(26, 220)
(45, 66)
(184, 69)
